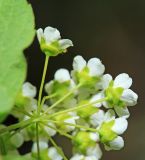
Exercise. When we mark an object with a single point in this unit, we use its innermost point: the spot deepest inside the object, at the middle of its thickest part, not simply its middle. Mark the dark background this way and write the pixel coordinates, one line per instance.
(112, 30)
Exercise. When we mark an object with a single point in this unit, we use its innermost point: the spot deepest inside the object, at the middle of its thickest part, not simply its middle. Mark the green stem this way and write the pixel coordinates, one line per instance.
(62, 99)
(42, 83)
(77, 107)
(77, 126)
(59, 131)
(17, 131)
(37, 140)
(17, 125)
(2, 147)
(46, 98)
(22, 111)
(59, 150)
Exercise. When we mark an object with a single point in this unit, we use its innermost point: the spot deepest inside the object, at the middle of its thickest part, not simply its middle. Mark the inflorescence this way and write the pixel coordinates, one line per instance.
(85, 105)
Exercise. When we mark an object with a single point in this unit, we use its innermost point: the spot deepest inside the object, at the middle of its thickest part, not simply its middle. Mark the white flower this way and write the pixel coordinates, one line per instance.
(77, 157)
(49, 130)
(62, 75)
(123, 80)
(83, 157)
(49, 87)
(17, 140)
(94, 136)
(113, 126)
(97, 118)
(50, 34)
(28, 90)
(79, 63)
(49, 37)
(94, 151)
(95, 98)
(53, 154)
(105, 80)
(71, 120)
(42, 145)
(128, 97)
(120, 125)
(116, 144)
(95, 66)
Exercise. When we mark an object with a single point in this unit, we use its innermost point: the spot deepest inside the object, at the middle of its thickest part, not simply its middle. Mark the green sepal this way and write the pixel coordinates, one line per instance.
(52, 49)
(60, 121)
(113, 95)
(106, 133)
(87, 111)
(82, 141)
(21, 101)
(85, 79)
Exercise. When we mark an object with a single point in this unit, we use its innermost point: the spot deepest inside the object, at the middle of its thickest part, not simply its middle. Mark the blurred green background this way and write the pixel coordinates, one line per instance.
(112, 30)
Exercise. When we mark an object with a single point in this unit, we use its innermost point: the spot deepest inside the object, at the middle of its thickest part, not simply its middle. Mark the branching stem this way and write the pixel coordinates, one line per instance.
(42, 83)
(63, 98)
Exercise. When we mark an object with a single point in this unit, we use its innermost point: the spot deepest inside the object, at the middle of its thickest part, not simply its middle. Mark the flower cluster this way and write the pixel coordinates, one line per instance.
(85, 105)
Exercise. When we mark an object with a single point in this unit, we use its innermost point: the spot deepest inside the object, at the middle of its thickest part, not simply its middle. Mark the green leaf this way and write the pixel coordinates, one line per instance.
(16, 157)
(16, 33)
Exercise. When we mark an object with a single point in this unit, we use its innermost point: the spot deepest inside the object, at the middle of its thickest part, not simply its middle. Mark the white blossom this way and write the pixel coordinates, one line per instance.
(128, 97)
(50, 35)
(116, 144)
(96, 98)
(50, 130)
(94, 151)
(120, 125)
(53, 154)
(28, 90)
(95, 66)
(94, 136)
(72, 120)
(62, 75)
(42, 145)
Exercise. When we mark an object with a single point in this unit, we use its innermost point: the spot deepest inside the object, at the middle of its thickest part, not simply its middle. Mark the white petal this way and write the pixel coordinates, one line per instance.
(48, 87)
(120, 125)
(129, 97)
(40, 34)
(17, 140)
(42, 144)
(96, 98)
(97, 118)
(94, 137)
(109, 115)
(71, 120)
(123, 80)
(65, 43)
(29, 90)
(117, 143)
(90, 158)
(62, 75)
(96, 68)
(49, 130)
(94, 151)
(51, 34)
(105, 104)
(77, 157)
(122, 111)
(79, 63)
(106, 79)
(53, 154)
